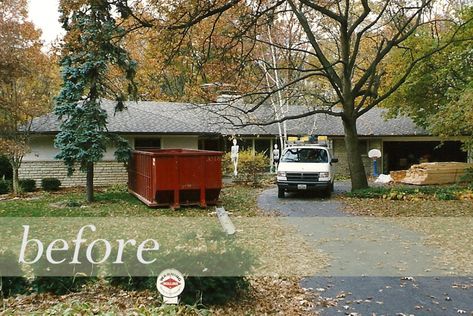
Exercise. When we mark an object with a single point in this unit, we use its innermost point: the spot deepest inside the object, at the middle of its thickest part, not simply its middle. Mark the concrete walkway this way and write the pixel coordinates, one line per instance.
(377, 268)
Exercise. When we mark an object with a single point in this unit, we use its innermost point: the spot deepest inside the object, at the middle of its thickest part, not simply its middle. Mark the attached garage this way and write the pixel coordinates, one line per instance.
(400, 155)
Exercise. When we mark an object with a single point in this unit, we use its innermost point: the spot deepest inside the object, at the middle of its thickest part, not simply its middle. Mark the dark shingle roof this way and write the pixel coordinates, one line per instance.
(181, 118)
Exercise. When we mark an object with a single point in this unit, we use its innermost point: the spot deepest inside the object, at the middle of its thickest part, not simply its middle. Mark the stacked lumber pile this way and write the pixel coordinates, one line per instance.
(398, 176)
(435, 173)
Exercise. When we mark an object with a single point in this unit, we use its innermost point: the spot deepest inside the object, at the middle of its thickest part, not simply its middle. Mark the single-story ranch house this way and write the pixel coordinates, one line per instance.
(177, 125)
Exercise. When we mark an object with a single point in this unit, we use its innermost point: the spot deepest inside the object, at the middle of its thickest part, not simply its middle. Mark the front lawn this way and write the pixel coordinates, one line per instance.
(239, 200)
(267, 295)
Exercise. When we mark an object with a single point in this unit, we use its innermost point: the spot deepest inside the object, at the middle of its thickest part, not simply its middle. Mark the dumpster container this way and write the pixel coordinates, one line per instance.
(175, 177)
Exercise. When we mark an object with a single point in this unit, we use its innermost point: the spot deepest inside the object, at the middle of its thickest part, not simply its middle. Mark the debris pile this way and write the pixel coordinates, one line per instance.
(433, 173)
(397, 176)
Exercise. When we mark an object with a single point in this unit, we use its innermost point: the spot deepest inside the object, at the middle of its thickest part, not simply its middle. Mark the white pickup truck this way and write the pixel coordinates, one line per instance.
(306, 168)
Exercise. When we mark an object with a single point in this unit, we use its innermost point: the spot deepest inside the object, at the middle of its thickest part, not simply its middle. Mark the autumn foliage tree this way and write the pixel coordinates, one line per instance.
(348, 43)
(438, 93)
(27, 81)
(92, 47)
(190, 67)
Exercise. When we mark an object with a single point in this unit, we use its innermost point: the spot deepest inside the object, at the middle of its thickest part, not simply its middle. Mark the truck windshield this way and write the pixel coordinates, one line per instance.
(305, 155)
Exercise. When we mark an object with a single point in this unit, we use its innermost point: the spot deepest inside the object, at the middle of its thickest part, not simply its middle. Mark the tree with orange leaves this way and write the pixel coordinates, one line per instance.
(27, 81)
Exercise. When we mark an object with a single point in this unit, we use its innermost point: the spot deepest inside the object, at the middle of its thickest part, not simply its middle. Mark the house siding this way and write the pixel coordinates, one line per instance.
(42, 149)
(106, 173)
(339, 151)
(40, 162)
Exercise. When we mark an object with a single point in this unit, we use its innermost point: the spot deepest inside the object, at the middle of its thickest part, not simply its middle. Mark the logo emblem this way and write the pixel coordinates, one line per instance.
(170, 283)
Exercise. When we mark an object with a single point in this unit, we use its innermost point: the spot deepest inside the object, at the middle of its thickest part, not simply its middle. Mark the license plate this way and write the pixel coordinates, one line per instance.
(302, 186)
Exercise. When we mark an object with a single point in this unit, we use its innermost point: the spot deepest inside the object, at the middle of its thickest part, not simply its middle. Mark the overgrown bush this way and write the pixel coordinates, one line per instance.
(5, 186)
(63, 278)
(213, 290)
(250, 166)
(6, 171)
(124, 275)
(60, 285)
(221, 255)
(204, 290)
(50, 184)
(10, 285)
(133, 283)
(28, 185)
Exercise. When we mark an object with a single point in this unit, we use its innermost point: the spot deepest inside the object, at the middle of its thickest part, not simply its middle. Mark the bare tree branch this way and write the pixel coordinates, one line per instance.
(203, 15)
(332, 74)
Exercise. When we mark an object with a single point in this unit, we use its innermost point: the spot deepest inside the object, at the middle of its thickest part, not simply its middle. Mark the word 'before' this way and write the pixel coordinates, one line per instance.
(57, 250)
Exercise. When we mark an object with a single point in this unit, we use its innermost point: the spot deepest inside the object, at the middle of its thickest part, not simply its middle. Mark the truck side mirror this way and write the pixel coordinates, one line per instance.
(334, 160)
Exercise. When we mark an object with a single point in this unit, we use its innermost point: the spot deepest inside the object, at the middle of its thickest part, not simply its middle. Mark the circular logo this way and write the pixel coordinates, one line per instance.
(170, 283)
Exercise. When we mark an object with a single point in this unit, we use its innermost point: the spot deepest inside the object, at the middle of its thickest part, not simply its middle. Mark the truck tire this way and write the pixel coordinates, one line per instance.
(281, 194)
(328, 191)
(332, 187)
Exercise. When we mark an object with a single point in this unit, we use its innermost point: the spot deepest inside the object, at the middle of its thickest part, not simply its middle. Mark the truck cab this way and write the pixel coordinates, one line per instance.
(306, 168)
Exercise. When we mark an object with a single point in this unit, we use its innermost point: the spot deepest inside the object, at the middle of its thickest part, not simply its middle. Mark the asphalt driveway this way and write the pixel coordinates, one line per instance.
(377, 268)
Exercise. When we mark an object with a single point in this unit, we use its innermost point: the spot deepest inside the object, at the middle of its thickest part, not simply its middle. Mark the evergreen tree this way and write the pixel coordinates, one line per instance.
(92, 48)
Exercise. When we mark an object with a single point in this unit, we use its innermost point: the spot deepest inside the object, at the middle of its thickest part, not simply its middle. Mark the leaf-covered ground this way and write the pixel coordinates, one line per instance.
(452, 235)
(446, 225)
(410, 208)
(267, 296)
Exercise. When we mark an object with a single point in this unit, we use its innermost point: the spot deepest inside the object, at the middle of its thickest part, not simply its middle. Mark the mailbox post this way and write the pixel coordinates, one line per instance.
(375, 154)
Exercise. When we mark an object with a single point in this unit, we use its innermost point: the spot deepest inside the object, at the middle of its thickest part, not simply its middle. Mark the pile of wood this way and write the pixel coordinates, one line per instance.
(433, 173)
(397, 176)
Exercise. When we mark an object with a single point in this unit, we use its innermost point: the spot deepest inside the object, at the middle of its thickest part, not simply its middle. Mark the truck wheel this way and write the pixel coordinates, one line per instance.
(332, 187)
(328, 192)
(281, 194)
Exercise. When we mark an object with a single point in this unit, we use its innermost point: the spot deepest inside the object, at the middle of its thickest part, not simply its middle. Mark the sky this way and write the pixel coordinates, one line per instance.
(44, 13)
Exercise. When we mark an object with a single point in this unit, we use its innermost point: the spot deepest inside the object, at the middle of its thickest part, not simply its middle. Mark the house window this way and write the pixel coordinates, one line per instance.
(147, 143)
(210, 144)
(263, 146)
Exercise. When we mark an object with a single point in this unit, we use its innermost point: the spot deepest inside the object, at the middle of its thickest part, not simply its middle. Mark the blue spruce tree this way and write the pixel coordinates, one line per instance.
(91, 47)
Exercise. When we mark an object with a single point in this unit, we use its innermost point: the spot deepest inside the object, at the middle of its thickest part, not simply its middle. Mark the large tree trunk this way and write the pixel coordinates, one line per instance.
(90, 182)
(355, 163)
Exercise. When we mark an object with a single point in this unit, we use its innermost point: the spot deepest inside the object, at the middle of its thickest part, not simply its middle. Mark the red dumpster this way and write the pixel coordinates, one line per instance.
(174, 177)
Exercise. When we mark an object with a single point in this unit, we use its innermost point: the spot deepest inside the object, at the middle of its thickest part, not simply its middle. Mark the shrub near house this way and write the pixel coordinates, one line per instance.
(28, 185)
(50, 184)
(251, 166)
